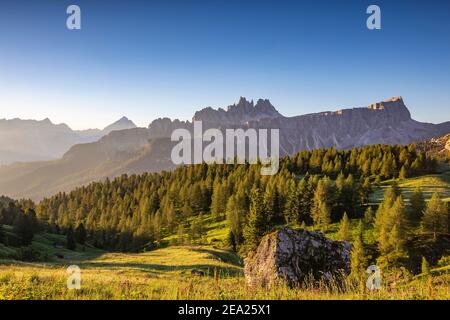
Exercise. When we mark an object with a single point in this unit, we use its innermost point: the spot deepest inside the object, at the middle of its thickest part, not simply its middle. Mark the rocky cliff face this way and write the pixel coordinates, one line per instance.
(290, 256)
(163, 127)
(237, 114)
(385, 122)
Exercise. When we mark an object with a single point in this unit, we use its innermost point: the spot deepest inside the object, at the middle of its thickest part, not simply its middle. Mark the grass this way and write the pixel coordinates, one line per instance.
(160, 274)
(43, 242)
(165, 273)
(428, 184)
(216, 231)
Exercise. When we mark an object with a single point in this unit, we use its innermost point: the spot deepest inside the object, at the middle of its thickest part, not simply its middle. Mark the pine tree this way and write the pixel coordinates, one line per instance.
(271, 201)
(322, 197)
(425, 266)
(435, 218)
(395, 188)
(416, 166)
(218, 201)
(231, 240)
(157, 226)
(358, 257)
(395, 242)
(348, 197)
(375, 167)
(324, 216)
(2, 234)
(368, 216)
(397, 216)
(70, 239)
(381, 217)
(393, 255)
(235, 218)
(403, 173)
(196, 231)
(170, 217)
(365, 191)
(390, 226)
(304, 194)
(197, 202)
(292, 207)
(343, 233)
(180, 235)
(418, 204)
(257, 220)
(24, 229)
(386, 170)
(80, 234)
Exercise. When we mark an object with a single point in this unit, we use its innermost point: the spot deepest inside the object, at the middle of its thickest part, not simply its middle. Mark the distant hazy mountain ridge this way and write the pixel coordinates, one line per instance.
(32, 140)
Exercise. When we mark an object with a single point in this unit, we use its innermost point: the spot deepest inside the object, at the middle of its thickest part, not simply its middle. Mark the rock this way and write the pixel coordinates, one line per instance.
(291, 255)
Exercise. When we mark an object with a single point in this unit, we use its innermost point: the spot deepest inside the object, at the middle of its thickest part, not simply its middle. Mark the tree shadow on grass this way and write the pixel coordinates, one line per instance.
(209, 270)
(223, 256)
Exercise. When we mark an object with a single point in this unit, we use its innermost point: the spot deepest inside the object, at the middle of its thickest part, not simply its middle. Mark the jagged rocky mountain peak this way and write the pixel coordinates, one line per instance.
(238, 113)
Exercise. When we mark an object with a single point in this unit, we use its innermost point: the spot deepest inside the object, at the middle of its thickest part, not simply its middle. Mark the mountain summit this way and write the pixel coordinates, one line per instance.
(121, 124)
(238, 113)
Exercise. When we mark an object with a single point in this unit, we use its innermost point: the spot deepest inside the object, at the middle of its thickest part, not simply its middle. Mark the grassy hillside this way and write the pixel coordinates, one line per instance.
(160, 274)
(44, 243)
(166, 273)
(428, 184)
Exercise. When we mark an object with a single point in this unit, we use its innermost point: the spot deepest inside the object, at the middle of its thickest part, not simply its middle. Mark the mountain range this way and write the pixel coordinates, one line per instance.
(137, 150)
(32, 140)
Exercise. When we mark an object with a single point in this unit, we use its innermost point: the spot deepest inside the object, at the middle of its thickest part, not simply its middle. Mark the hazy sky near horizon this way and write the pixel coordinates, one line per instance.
(150, 59)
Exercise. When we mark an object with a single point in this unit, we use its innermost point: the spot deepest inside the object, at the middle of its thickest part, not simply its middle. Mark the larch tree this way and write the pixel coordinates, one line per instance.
(70, 239)
(435, 217)
(358, 256)
(418, 205)
(425, 266)
(344, 233)
(257, 220)
(235, 218)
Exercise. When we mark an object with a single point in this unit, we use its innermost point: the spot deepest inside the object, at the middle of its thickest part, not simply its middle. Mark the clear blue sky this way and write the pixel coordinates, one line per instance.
(149, 59)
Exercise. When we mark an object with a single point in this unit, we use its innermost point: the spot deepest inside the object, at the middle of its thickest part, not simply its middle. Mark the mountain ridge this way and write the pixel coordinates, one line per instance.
(24, 140)
(138, 150)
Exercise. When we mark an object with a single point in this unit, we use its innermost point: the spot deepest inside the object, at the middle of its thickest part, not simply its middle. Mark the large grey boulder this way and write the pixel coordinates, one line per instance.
(290, 256)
